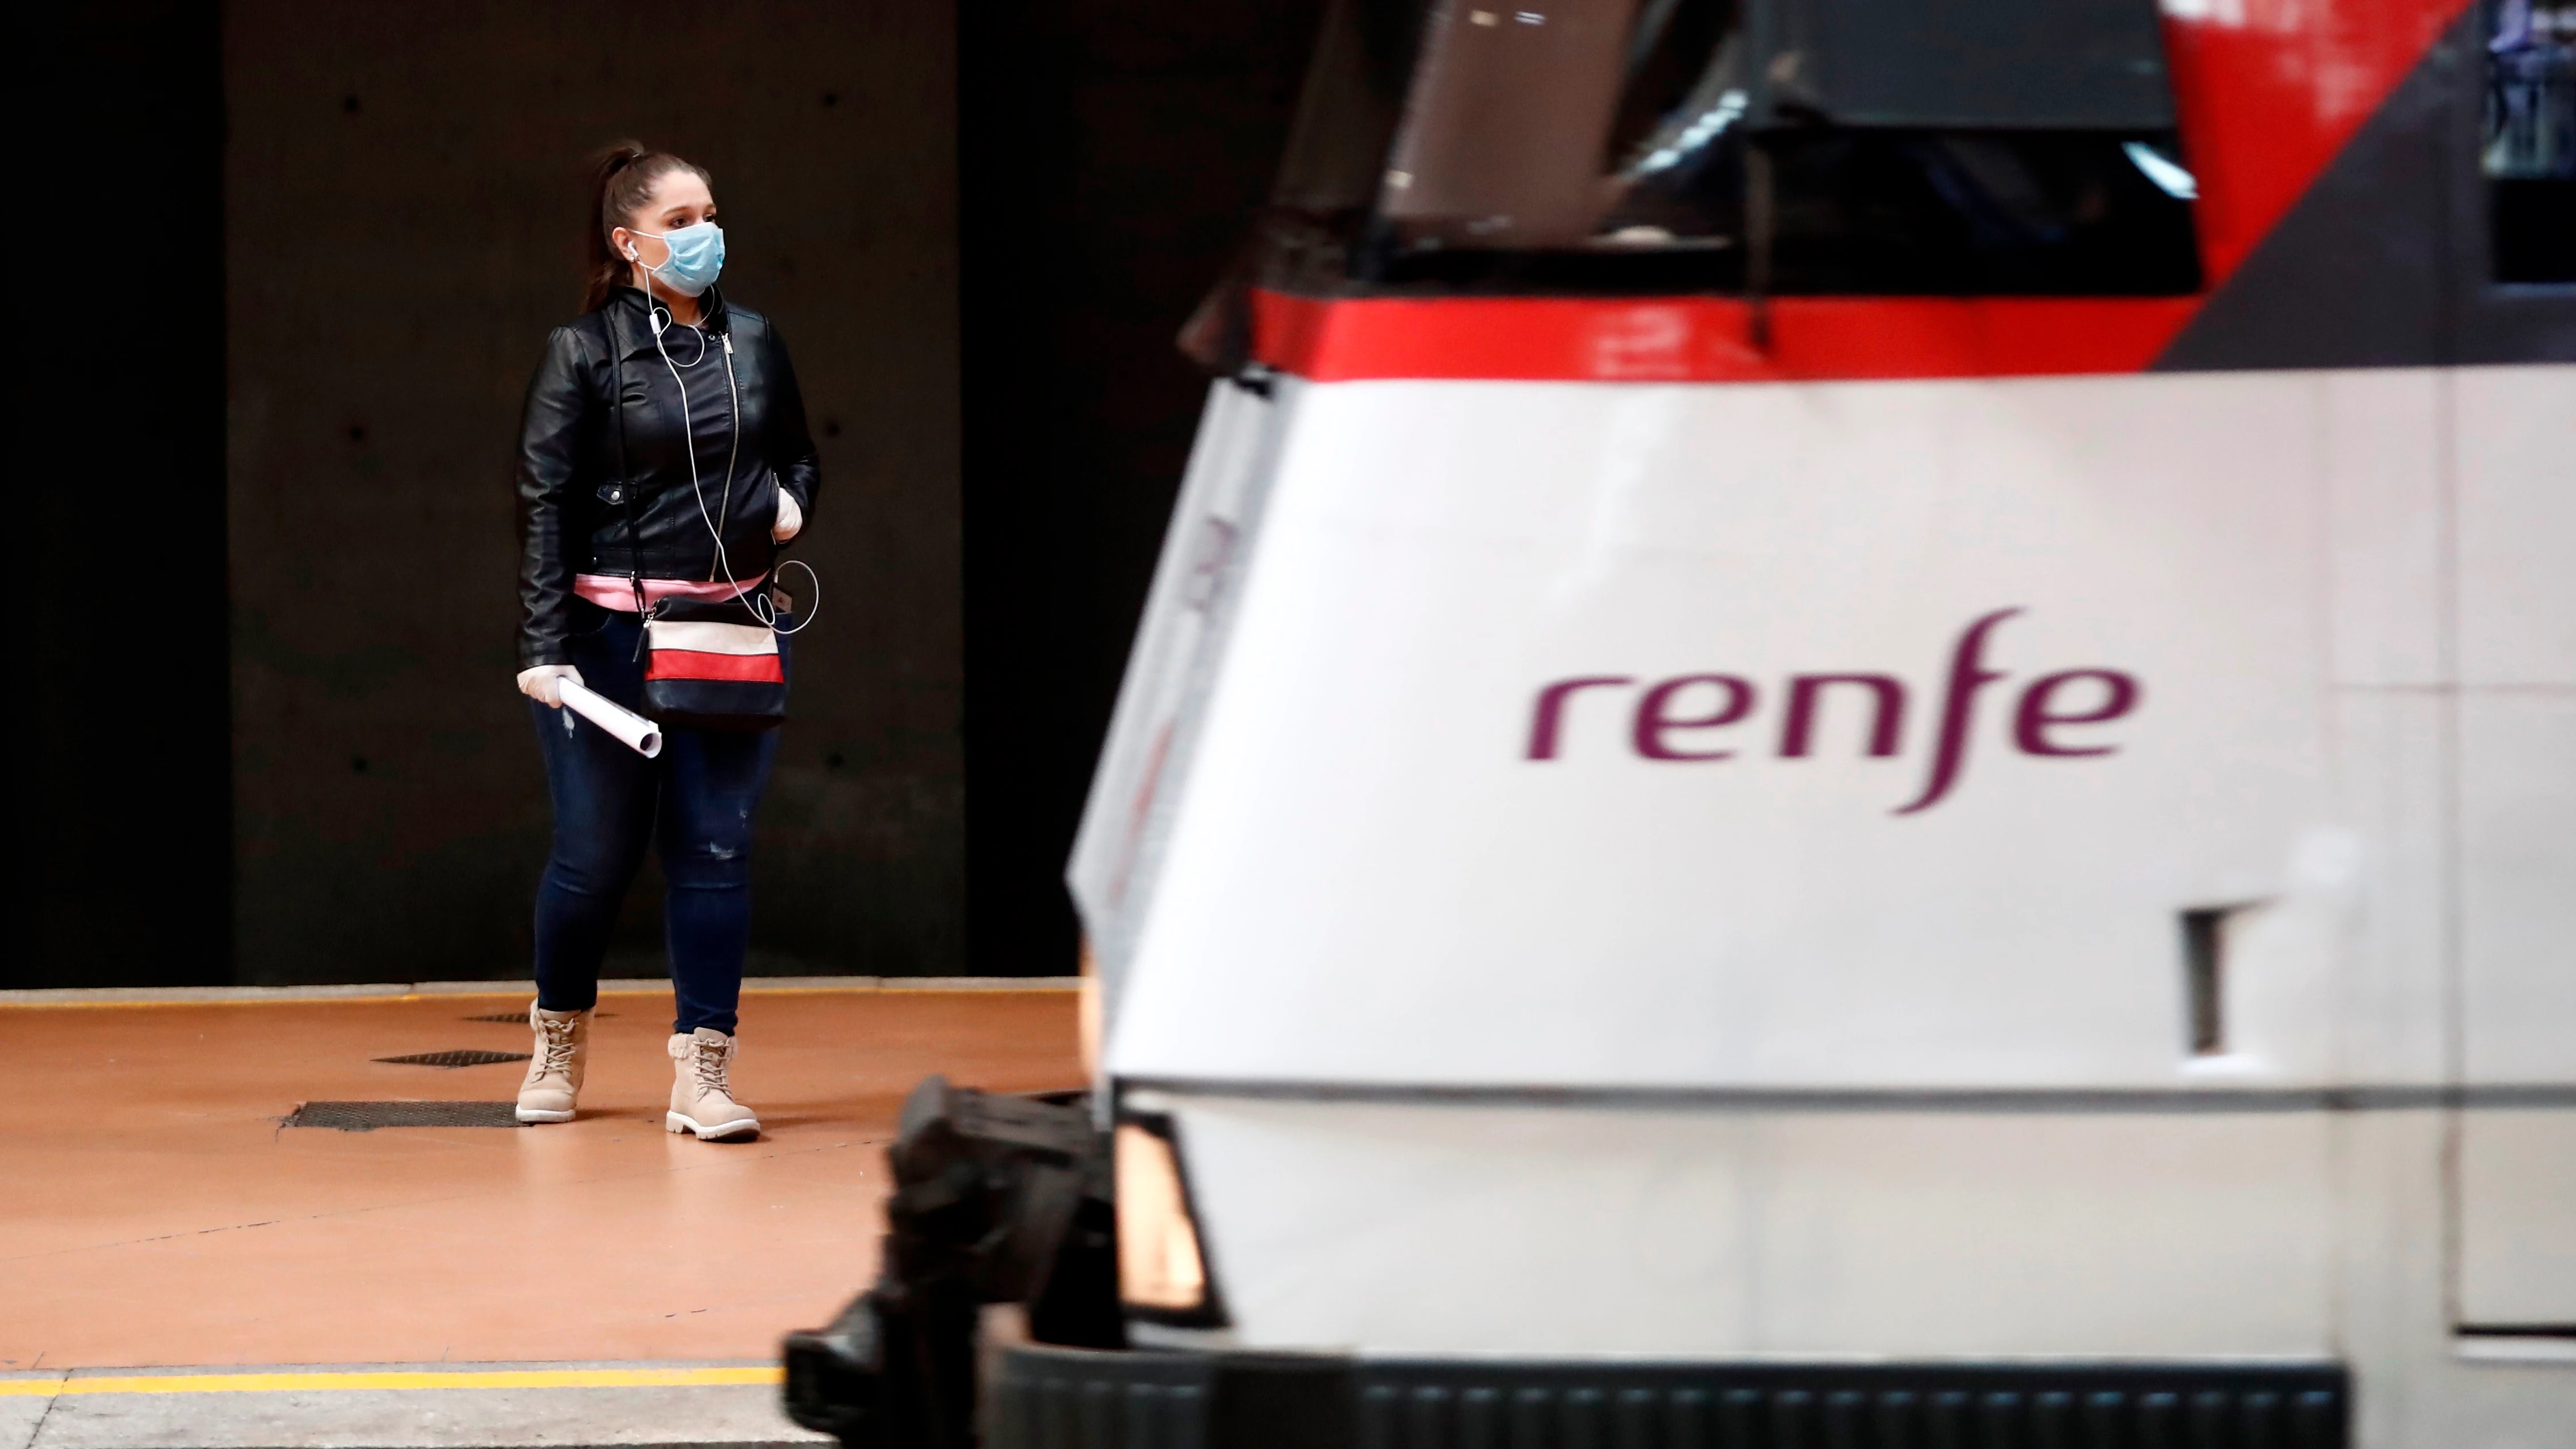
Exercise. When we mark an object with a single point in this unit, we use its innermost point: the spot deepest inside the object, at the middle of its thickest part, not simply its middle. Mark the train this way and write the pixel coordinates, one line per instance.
(1859, 728)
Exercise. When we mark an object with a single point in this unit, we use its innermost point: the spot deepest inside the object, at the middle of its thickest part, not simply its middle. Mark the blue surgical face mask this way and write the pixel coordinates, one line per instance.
(697, 256)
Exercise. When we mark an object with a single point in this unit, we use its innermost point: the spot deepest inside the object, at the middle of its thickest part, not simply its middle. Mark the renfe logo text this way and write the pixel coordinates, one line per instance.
(1681, 718)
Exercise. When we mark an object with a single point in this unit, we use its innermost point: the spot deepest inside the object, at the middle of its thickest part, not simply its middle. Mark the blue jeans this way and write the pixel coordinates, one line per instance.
(695, 803)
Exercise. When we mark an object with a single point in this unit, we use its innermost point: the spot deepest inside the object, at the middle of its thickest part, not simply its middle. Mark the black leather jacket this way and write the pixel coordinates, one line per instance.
(573, 501)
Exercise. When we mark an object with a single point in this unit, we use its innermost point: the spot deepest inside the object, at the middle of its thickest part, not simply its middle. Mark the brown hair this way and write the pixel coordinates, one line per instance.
(622, 180)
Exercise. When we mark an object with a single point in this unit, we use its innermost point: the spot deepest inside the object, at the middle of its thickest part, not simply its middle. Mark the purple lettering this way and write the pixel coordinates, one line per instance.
(1667, 720)
(1968, 674)
(1551, 708)
(1648, 731)
(1804, 690)
(2033, 720)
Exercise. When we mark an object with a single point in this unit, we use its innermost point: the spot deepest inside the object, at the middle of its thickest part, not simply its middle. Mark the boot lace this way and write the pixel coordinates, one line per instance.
(558, 1048)
(709, 1063)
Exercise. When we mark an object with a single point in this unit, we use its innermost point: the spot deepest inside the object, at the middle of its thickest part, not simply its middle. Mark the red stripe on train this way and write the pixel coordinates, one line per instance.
(741, 668)
(1707, 339)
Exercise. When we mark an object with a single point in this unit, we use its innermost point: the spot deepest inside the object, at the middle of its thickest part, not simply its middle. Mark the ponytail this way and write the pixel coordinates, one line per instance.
(622, 180)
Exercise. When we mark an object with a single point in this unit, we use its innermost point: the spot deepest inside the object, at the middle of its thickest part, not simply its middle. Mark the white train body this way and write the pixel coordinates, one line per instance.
(2062, 864)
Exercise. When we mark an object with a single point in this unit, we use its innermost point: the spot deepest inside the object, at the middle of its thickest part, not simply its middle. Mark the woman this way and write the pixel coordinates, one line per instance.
(682, 487)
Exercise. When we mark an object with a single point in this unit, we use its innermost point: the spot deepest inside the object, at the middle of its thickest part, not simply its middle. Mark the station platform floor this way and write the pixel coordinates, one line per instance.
(156, 1211)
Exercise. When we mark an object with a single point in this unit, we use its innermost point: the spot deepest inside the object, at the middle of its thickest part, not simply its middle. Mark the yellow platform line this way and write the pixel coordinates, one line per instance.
(264, 1383)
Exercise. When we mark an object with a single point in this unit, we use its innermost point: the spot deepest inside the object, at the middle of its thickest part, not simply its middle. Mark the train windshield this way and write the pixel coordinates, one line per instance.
(1941, 147)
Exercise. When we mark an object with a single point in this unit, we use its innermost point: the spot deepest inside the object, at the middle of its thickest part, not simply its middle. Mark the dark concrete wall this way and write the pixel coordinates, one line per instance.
(400, 202)
(118, 490)
(403, 220)
(1113, 152)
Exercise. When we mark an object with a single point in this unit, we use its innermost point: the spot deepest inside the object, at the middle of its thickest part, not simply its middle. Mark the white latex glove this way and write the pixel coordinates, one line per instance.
(544, 683)
(790, 518)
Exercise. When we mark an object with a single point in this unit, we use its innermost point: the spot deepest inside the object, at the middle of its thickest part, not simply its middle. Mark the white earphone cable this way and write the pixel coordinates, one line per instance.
(754, 599)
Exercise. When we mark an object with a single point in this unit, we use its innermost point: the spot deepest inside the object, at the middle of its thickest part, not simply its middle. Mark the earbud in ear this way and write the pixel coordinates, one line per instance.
(630, 253)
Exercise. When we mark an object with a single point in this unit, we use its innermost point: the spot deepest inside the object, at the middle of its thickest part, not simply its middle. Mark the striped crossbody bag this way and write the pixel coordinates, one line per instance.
(709, 666)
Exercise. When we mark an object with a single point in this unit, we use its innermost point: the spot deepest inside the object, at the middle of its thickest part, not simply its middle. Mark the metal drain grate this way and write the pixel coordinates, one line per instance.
(455, 1059)
(368, 1116)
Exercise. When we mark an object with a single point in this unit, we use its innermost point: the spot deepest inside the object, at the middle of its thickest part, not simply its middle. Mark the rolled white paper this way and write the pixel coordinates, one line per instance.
(639, 734)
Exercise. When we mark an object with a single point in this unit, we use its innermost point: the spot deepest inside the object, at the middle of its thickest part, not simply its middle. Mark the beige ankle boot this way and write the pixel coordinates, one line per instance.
(701, 1097)
(554, 1064)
